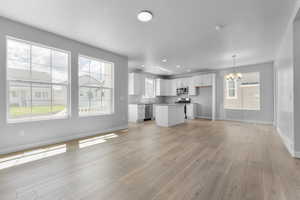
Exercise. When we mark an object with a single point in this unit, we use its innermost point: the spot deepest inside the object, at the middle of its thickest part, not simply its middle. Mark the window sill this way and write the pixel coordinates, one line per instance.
(95, 115)
(37, 119)
(238, 109)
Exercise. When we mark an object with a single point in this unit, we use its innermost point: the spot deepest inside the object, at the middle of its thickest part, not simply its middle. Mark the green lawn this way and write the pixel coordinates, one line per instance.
(36, 110)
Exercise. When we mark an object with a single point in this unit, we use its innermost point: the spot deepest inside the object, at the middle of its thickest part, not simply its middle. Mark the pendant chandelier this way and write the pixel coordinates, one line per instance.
(234, 75)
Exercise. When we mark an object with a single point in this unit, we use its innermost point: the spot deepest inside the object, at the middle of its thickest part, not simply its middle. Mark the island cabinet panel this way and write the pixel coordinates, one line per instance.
(169, 114)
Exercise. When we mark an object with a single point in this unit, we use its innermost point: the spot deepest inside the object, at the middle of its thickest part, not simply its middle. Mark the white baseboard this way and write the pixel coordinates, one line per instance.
(297, 154)
(248, 121)
(202, 117)
(287, 143)
(59, 140)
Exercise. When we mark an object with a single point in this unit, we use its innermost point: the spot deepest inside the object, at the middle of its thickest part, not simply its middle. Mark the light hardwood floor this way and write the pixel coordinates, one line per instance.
(198, 160)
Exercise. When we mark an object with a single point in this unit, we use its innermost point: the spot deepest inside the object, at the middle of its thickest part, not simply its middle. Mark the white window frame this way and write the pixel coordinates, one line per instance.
(112, 87)
(146, 96)
(68, 85)
(228, 89)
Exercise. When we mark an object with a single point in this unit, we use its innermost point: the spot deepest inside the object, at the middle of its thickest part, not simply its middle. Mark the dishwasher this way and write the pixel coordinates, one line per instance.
(148, 112)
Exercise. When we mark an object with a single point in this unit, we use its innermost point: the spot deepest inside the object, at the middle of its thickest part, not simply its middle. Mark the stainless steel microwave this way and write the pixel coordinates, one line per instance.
(181, 91)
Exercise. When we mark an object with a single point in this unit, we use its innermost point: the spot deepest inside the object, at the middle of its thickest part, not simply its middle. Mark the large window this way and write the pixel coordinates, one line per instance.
(149, 88)
(38, 81)
(243, 94)
(96, 94)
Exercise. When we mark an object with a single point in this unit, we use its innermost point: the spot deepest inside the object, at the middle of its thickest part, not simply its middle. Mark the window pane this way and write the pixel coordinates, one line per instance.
(108, 75)
(59, 101)
(60, 67)
(41, 73)
(18, 60)
(19, 100)
(95, 69)
(60, 59)
(106, 101)
(231, 84)
(40, 55)
(41, 100)
(85, 99)
(18, 70)
(18, 51)
(231, 92)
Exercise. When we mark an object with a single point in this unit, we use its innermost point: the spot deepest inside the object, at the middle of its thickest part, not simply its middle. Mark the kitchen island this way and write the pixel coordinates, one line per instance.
(169, 114)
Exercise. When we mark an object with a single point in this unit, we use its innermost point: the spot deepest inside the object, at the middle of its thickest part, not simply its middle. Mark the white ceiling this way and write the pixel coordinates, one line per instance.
(183, 31)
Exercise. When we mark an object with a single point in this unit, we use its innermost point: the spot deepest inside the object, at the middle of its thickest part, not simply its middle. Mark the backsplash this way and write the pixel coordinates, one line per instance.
(133, 99)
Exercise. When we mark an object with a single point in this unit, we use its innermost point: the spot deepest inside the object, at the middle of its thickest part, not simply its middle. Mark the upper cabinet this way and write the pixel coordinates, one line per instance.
(160, 87)
(165, 87)
(136, 84)
(203, 80)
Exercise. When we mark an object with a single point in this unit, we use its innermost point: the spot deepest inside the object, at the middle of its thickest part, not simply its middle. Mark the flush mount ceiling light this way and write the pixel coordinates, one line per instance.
(178, 66)
(188, 70)
(164, 60)
(219, 27)
(145, 16)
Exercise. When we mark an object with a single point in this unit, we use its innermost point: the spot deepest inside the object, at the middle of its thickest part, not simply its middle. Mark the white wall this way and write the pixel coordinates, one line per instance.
(266, 112)
(296, 49)
(30, 134)
(284, 65)
(287, 70)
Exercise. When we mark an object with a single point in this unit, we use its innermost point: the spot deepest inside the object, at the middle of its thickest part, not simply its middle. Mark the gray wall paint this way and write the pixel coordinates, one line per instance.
(266, 113)
(30, 134)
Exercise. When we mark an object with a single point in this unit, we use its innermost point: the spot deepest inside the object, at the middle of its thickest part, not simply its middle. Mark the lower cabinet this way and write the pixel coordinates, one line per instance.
(191, 110)
(136, 112)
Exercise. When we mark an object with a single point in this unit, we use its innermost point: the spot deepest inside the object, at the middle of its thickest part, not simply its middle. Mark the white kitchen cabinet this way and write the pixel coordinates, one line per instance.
(160, 87)
(136, 84)
(203, 80)
(165, 87)
(191, 110)
(207, 80)
(136, 112)
(192, 87)
(171, 87)
(169, 114)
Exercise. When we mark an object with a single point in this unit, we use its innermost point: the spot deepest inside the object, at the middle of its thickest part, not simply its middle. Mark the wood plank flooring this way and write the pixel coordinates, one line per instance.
(197, 160)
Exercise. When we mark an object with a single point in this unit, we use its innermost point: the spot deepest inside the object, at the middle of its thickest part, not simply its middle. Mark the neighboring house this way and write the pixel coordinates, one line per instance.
(20, 92)
(93, 94)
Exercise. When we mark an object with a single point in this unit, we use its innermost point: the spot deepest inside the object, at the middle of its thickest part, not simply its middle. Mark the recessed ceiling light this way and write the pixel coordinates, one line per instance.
(142, 65)
(188, 70)
(178, 66)
(164, 60)
(145, 16)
